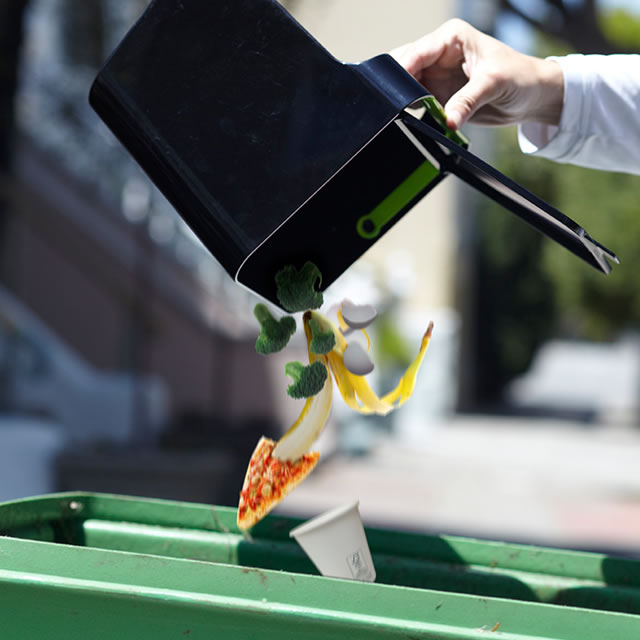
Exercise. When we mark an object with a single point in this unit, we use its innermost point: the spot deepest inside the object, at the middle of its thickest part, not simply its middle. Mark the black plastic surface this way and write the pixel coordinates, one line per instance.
(236, 113)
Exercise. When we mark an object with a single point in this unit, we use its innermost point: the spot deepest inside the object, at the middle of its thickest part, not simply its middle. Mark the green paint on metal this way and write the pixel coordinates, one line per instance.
(369, 226)
(140, 569)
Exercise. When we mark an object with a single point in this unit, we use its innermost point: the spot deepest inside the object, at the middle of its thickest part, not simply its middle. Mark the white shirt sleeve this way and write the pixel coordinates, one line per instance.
(600, 122)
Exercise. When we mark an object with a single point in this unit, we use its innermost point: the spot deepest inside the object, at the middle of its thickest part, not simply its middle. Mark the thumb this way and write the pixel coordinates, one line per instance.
(467, 100)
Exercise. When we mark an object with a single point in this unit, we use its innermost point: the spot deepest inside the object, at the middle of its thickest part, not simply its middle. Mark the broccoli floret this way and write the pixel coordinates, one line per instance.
(323, 339)
(307, 380)
(296, 290)
(274, 334)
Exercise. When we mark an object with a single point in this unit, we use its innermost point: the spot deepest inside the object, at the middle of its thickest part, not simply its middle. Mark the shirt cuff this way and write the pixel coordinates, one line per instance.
(553, 142)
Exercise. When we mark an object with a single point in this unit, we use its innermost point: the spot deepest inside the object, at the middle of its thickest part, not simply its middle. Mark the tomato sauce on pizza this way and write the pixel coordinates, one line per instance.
(268, 480)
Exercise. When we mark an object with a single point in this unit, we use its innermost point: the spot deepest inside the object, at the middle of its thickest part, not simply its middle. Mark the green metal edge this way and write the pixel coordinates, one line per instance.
(122, 581)
(491, 570)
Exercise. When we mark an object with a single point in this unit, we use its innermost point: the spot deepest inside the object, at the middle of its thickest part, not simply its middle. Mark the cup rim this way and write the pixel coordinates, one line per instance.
(323, 519)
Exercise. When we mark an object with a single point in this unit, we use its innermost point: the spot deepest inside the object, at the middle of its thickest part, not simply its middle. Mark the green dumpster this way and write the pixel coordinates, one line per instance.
(80, 565)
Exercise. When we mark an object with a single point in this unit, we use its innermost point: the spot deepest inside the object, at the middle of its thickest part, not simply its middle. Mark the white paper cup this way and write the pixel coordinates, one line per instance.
(336, 543)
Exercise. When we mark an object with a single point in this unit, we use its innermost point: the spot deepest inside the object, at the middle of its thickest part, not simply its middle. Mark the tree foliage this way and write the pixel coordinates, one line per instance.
(516, 303)
(531, 288)
(589, 304)
(580, 24)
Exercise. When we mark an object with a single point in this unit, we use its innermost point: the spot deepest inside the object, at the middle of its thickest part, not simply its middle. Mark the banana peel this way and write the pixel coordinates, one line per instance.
(355, 390)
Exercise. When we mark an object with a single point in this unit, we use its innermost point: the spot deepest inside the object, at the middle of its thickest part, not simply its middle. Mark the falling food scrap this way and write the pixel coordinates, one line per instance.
(356, 360)
(358, 316)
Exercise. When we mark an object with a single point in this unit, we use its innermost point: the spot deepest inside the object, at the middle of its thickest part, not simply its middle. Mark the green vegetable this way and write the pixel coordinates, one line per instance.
(307, 380)
(274, 334)
(296, 290)
(323, 340)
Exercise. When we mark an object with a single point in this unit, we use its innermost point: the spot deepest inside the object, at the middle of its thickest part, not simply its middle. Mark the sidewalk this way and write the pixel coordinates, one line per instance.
(551, 482)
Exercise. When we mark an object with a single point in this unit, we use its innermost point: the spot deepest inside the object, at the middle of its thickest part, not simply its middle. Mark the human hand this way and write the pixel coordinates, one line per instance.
(481, 79)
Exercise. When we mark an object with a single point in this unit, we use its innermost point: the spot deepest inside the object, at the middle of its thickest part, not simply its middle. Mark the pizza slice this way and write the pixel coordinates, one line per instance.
(268, 480)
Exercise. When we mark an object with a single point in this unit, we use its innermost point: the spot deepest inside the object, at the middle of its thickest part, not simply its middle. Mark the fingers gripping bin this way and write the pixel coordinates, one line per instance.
(274, 152)
(80, 566)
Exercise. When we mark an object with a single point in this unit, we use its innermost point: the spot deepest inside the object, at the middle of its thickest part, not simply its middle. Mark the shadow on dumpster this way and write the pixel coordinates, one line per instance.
(620, 590)
(401, 559)
(474, 567)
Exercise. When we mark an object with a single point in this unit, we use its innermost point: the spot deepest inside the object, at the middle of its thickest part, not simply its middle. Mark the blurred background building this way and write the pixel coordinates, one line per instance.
(127, 359)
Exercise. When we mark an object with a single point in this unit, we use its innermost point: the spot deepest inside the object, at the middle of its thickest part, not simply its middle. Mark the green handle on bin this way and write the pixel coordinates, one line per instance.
(435, 110)
(369, 226)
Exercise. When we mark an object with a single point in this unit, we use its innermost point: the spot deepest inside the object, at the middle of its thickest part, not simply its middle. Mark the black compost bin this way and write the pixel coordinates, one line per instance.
(276, 153)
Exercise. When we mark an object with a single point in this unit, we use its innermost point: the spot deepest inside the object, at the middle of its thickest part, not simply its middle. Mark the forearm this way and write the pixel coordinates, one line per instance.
(600, 122)
(547, 92)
